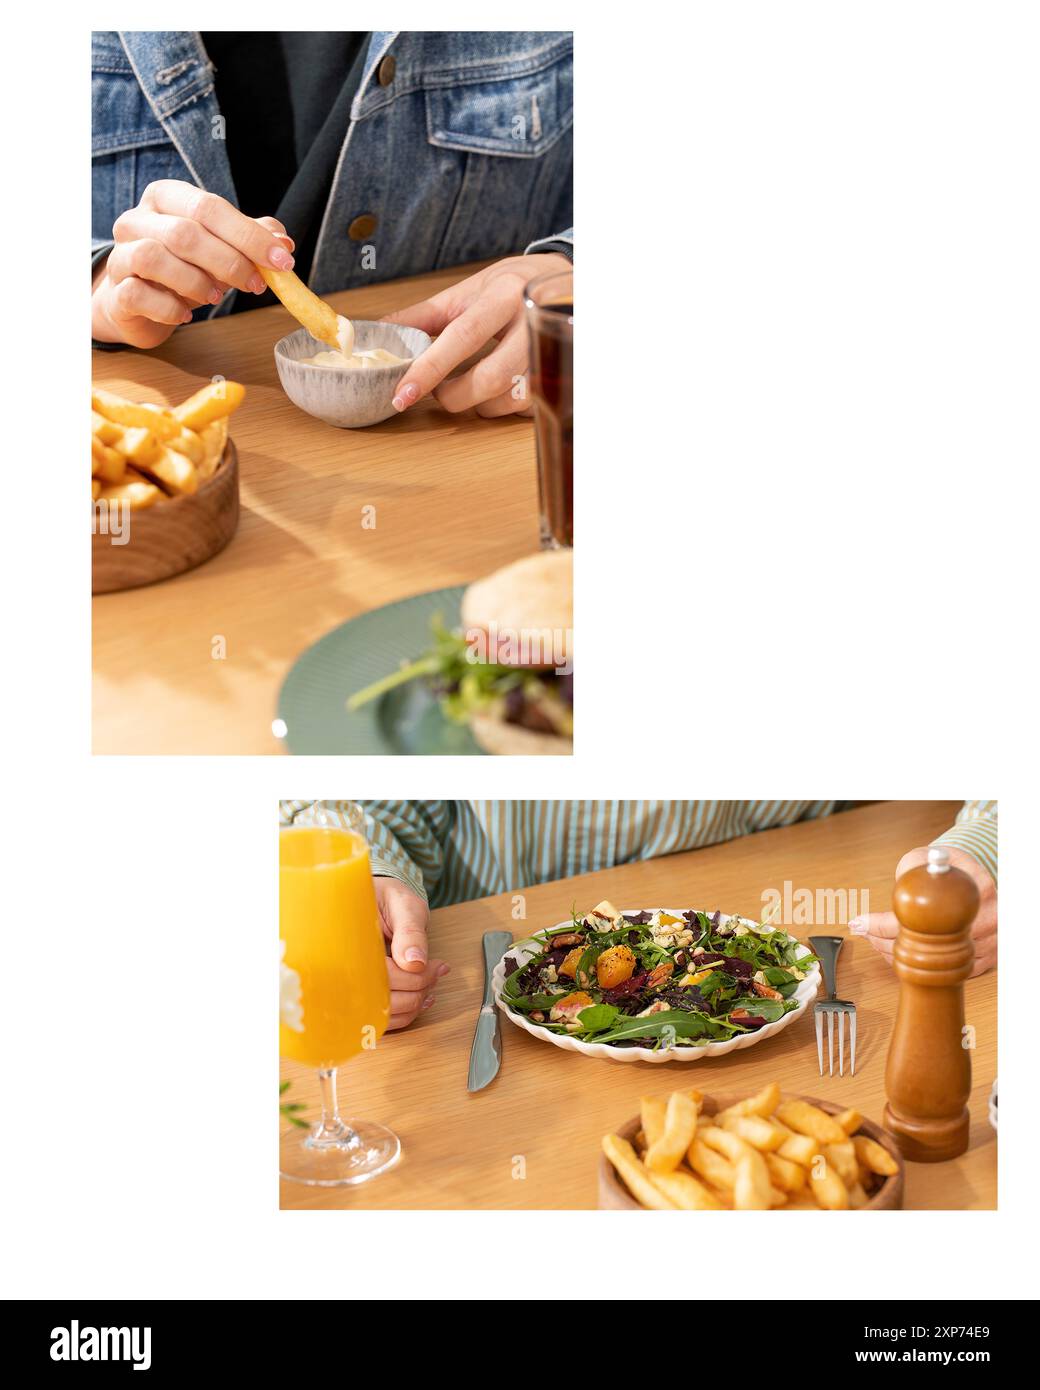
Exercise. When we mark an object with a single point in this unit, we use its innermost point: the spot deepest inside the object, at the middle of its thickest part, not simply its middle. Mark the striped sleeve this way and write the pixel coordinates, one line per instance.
(407, 839)
(975, 832)
(402, 835)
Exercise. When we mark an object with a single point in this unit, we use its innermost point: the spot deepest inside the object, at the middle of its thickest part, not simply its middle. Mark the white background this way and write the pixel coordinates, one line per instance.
(807, 250)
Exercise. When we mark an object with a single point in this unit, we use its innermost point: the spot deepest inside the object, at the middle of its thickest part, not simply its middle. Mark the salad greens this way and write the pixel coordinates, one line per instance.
(653, 979)
(466, 686)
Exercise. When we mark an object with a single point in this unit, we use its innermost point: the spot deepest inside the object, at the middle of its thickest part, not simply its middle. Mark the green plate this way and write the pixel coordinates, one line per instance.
(407, 720)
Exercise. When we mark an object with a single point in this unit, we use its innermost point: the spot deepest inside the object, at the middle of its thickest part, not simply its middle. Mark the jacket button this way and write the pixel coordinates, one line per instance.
(361, 227)
(387, 68)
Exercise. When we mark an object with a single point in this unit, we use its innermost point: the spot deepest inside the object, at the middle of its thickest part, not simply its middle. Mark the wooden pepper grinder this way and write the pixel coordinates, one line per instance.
(928, 1076)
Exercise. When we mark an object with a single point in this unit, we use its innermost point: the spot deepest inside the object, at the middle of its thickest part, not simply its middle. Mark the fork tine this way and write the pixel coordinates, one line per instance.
(819, 1039)
(852, 1041)
(830, 1040)
(841, 1043)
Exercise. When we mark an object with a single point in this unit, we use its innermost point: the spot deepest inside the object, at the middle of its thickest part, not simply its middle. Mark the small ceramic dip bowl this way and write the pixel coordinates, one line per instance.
(349, 397)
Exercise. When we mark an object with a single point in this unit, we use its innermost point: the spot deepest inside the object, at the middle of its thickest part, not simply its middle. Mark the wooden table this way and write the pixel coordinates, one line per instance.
(455, 497)
(545, 1112)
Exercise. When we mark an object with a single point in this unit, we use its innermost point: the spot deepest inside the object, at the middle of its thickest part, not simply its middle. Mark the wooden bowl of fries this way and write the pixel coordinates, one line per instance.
(763, 1152)
(165, 485)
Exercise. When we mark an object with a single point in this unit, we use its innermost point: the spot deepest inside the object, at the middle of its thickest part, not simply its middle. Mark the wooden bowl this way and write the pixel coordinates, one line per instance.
(171, 537)
(615, 1196)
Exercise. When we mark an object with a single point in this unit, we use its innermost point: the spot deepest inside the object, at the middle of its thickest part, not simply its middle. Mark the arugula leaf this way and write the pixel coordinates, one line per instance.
(668, 1021)
(597, 1017)
(781, 980)
(510, 985)
(527, 1003)
(769, 1009)
(718, 980)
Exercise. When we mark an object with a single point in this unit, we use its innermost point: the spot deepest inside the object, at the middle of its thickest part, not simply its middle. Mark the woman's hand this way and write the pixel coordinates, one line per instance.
(486, 306)
(881, 928)
(405, 919)
(179, 248)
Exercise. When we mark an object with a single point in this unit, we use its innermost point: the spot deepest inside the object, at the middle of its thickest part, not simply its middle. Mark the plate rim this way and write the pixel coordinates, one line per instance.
(368, 714)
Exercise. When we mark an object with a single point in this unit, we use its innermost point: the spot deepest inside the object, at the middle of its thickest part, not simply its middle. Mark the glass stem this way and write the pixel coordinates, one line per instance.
(329, 1103)
(330, 1130)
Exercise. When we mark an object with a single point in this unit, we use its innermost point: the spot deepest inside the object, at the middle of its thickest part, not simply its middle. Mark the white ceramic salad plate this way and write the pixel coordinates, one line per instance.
(525, 950)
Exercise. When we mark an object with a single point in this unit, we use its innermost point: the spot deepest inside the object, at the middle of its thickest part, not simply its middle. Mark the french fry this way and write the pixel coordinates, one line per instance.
(804, 1118)
(730, 1145)
(826, 1185)
(796, 1148)
(189, 443)
(711, 1166)
(122, 412)
(105, 430)
(787, 1176)
(106, 463)
(680, 1123)
(850, 1120)
(857, 1196)
(177, 474)
(622, 1155)
(95, 487)
(759, 1133)
(763, 1103)
(214, 441)
(651, 1112)
(136, 492)
(684, 1191)
(212, 402)
(138, 444)
(320, 319)
(874, 1157)
(843, 1158)
(752, 1190)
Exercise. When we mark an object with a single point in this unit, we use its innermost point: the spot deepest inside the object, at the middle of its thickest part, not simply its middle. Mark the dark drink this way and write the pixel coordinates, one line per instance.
(550, 318)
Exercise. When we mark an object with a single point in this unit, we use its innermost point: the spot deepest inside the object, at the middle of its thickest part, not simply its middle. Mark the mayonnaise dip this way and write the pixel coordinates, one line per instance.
(345, 356)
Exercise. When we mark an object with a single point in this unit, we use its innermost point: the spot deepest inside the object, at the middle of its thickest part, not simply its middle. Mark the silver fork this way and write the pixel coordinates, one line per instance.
(827, 948)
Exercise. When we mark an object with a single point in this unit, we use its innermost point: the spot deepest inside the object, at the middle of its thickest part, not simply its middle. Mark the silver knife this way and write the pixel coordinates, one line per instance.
(486, 1053)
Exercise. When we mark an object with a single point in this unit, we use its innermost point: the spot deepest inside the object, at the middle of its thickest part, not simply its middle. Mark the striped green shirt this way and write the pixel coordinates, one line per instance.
(450, 851)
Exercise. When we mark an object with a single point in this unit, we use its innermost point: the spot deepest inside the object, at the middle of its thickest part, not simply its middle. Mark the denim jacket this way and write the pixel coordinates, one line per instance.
(459, 148)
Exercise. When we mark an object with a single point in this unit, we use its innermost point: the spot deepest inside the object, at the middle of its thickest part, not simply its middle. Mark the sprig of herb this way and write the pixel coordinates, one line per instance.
(289, 1110)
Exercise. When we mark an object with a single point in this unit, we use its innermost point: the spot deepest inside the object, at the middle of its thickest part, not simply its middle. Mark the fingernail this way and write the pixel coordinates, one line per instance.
(256, 284)
(187, 317)
(427, 1001)
(443, 971)
(215, 295)
(280, 258)
(284, 236)
(405, 396)
(414, 952)
(858, 927)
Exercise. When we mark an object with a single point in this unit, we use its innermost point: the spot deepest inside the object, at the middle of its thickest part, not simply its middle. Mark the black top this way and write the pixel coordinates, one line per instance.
(285, 99)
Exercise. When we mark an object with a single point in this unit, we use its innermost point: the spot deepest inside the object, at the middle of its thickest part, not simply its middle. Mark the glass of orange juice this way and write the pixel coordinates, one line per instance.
(335, 992)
